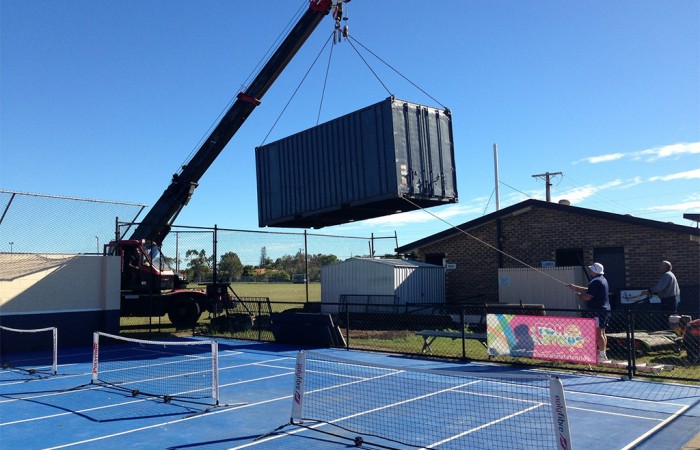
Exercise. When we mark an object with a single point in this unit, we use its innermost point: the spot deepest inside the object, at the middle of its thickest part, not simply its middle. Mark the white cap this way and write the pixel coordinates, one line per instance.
(597, 268)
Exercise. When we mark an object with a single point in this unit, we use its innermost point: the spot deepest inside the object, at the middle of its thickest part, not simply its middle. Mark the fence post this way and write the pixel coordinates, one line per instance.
(258, 319)
(306, 264)
(464, 340)
(215, 266)
(347, 327)
(632, 370)
(630, 343)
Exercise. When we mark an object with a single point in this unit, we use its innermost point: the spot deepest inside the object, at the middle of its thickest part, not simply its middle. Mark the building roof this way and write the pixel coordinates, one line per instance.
(394, 262)
(526, 205)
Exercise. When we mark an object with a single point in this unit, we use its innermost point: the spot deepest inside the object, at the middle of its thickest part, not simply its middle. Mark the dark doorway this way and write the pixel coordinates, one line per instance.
(437, 259)
(613, 259)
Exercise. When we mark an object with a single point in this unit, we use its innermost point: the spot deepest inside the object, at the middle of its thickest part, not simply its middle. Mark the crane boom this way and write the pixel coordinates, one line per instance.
(156, 224)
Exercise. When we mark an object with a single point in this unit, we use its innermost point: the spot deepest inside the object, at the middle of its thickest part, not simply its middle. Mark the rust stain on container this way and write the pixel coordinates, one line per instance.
(358, 166)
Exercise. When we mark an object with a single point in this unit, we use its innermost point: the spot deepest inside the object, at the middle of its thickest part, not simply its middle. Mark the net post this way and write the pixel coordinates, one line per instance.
(464, 337)
(95, 353)
(54, 336)
(215, 371)
(560, 415)
(347, 327)
(630, 344)
(298, 398)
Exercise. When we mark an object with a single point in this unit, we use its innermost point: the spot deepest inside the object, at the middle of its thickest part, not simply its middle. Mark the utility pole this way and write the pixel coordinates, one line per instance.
(547, 177)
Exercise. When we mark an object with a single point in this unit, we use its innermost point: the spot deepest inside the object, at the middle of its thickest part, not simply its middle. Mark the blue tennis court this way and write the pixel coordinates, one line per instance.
(256, 386)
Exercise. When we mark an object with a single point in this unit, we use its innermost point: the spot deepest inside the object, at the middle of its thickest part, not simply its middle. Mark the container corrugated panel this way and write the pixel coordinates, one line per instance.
(358, 166)
(410, 281)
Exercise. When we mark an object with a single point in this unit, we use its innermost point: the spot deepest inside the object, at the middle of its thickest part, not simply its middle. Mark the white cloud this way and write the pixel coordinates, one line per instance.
(631, 182)
(603, 158)
(683, 206)
(649, 155)
(687, 175)
(667, 151)
(579, 194)
(461, 211)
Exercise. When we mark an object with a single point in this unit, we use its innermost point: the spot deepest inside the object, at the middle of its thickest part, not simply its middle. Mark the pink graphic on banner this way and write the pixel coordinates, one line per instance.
(569, 339)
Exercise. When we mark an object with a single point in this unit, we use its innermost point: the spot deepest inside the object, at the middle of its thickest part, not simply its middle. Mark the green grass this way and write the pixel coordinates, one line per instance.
(279, 292)
(276, 292)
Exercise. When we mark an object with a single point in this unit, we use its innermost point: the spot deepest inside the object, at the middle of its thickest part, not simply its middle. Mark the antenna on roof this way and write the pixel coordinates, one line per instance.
(495, 167)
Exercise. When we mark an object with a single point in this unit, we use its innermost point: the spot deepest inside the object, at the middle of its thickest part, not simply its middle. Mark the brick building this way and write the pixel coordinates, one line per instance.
(534, 231)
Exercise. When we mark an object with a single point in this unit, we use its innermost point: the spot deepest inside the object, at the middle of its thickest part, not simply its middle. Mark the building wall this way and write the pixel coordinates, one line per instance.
(355, 277)
(420, 284)
(534, 236)
(368, 277)
(77, 294)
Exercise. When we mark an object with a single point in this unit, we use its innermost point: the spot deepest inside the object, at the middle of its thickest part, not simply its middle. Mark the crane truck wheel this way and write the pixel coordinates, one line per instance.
(184, 313)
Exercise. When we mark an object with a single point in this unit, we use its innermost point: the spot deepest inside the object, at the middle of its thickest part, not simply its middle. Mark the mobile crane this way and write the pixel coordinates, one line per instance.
(148, 286)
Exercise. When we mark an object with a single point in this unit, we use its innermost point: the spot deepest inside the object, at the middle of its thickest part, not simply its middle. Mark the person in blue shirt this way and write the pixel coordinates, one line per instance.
(597, 304)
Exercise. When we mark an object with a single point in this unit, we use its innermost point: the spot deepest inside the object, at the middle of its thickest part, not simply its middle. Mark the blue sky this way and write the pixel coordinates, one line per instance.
(106, 100)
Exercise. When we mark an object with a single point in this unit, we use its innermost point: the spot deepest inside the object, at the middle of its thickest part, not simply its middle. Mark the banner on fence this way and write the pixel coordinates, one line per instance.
(630, 296)
(553, 338)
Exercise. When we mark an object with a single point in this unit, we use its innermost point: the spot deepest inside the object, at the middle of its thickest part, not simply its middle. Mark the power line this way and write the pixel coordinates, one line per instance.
(547, 176)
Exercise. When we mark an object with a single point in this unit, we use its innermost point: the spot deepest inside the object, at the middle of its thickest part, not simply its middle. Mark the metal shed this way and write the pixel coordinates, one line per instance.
(358, 166)
(390, 282)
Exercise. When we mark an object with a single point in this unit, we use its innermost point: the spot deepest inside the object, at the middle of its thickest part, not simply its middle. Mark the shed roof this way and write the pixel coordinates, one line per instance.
(395, 262)
(518, 208)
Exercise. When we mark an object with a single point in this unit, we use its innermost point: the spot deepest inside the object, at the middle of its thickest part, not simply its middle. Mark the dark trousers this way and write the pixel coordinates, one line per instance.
(668, 304)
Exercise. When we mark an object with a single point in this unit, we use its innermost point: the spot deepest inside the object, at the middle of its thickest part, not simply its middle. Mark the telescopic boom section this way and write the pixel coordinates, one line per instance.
(156, 225)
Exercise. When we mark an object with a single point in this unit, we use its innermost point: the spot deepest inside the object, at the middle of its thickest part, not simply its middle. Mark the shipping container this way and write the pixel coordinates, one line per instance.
(391, 283)
(362, 165)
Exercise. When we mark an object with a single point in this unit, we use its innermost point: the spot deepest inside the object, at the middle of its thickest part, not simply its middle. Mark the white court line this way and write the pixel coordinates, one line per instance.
(113, 405)
(610, 413)
(481, 394)
(158, 425)
(171, 422)
(316, 371)
(617, 397)
(362, 413)
(31, 397)
(572, 391)
(62, 376)
(481, 427)
(655, 429)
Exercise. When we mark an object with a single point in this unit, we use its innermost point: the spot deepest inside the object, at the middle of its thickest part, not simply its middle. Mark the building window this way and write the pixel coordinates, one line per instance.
(437, 259)
(569, 257)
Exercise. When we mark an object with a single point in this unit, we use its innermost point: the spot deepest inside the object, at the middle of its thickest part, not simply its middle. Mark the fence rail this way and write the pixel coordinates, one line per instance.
(640, 343)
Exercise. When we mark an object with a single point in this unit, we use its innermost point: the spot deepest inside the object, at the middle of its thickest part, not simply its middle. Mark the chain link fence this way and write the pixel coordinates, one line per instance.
(640, 343)
(50, 224)
(248, 266)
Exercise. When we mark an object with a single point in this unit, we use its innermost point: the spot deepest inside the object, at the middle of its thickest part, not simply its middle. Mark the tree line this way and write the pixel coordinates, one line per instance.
(230, 268)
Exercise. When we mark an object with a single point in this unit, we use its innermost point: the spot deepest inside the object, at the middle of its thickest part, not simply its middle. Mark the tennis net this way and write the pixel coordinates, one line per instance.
(185, 370)
(392, 407)
(31, 351)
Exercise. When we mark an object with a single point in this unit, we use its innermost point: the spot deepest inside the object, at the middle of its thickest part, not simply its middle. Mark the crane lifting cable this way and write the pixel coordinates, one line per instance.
(244, 85)
(352, 40)
(519, 261)
(294, 93)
